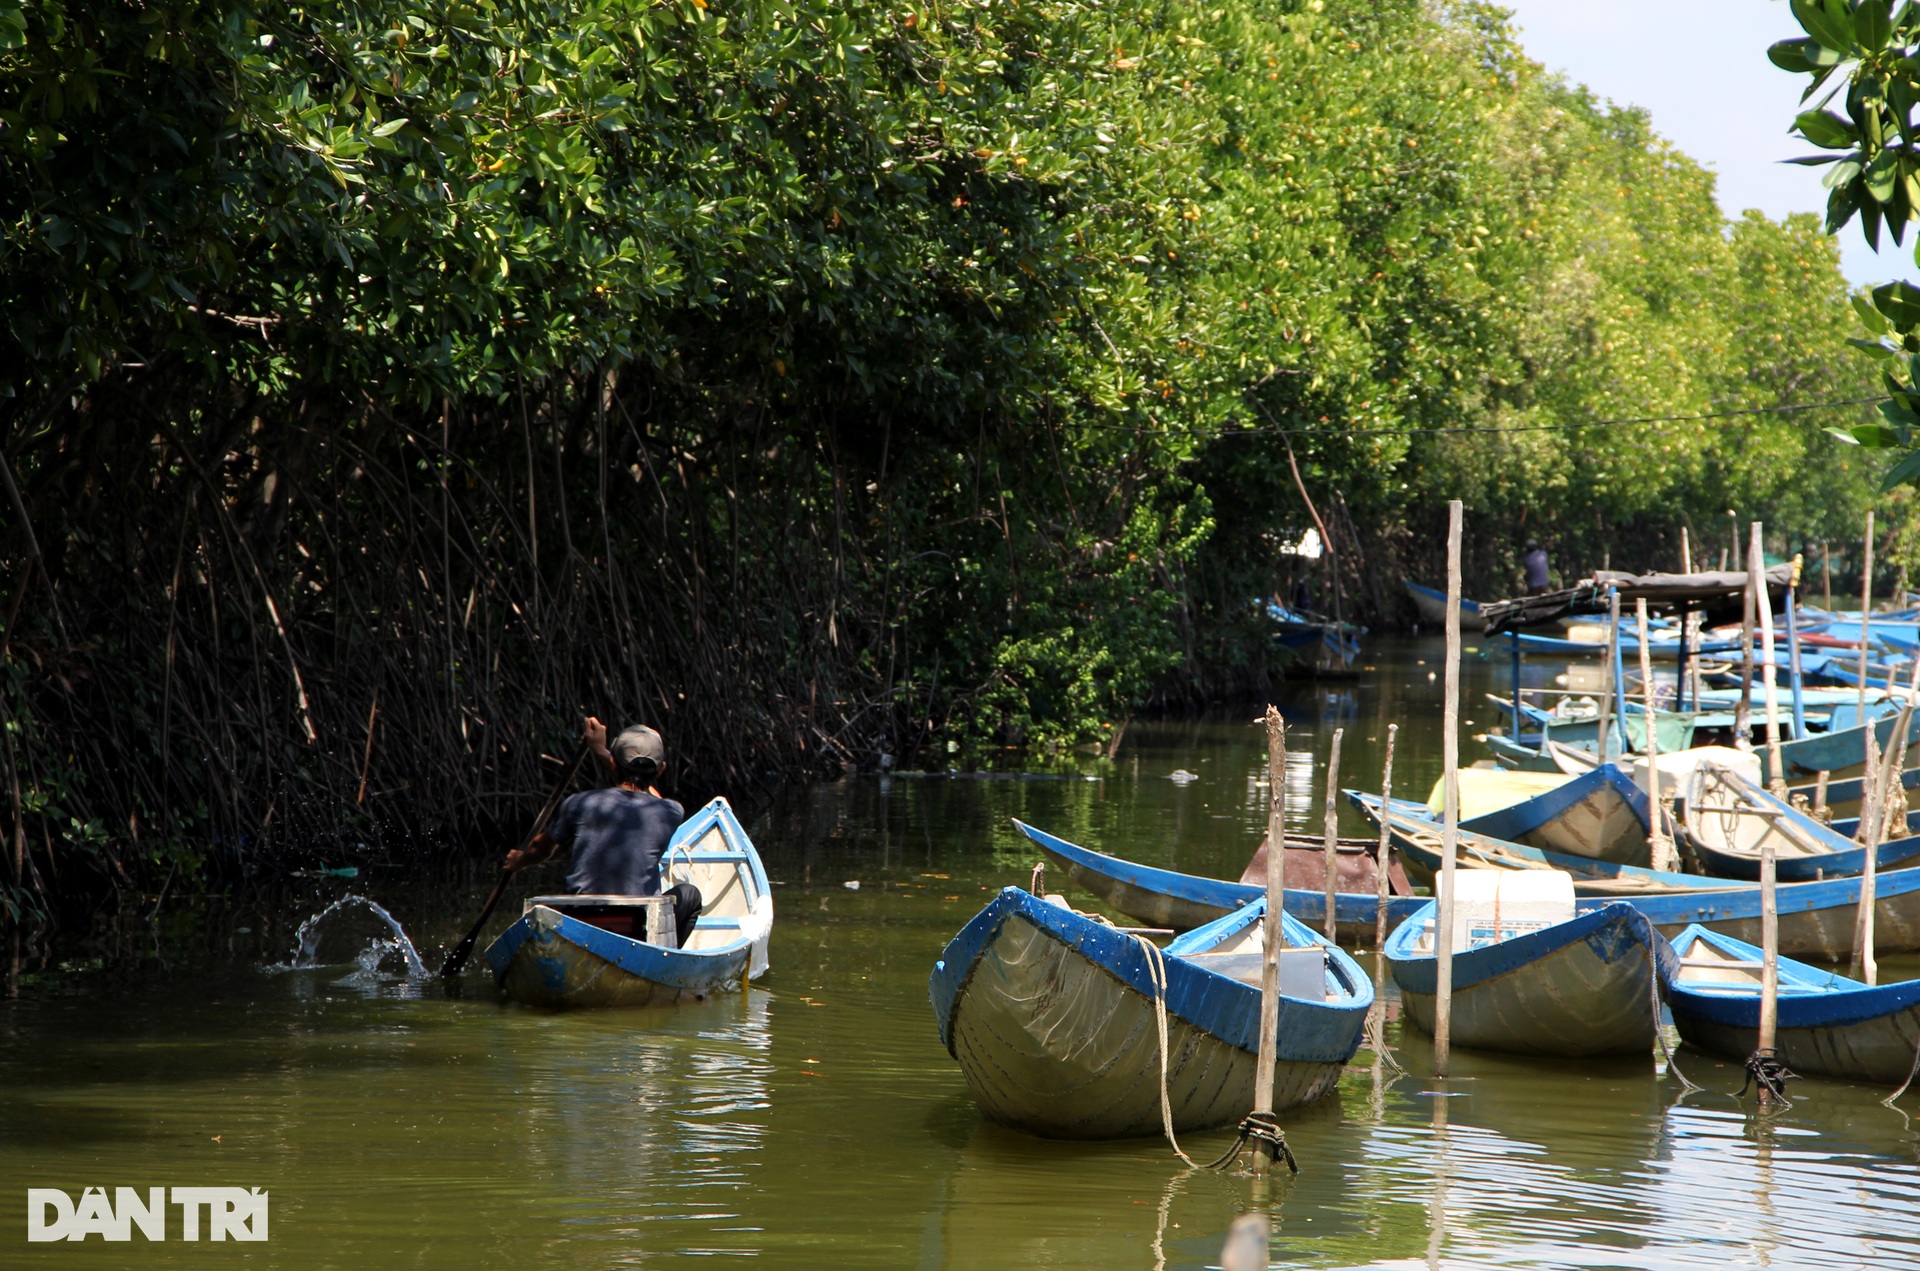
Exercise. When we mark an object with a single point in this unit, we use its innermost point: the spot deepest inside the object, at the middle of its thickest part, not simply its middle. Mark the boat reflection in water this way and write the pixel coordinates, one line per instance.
(653, 1121)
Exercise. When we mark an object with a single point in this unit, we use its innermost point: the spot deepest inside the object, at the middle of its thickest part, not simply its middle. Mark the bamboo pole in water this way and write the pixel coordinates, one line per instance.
(1769, 673)
(1689, 635)
(1866, 611)
(1331, 825)
(1659, 844)
(1869, 793)
(1864, 967)
(1450, 825)
(1769, 955)
(1606, 698)
(1743, 713)
(1270, 933)
(1383, 857)
(1882, 782)
(1893, 799)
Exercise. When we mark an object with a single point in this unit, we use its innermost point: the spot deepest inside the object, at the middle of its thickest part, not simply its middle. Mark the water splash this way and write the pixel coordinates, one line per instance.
(371, 956)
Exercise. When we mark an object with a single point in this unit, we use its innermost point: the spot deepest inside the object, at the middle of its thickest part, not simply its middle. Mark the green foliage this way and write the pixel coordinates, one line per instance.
(1871, 51)
(816, 379)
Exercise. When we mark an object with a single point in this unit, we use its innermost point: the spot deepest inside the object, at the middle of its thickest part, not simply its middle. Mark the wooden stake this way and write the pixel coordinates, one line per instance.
(1270, 932)
(1769, 954)
(1866, 612)
(1743, 713)
(1659, 845)
(1893, 790)
(1769, 673)
(1450, 825)
(1686, 552)
(1826, 576)
(1606, 697)
(1383, 857)
(1331, 825)
(1820, 780)
(1870, 743)
(1881, 783)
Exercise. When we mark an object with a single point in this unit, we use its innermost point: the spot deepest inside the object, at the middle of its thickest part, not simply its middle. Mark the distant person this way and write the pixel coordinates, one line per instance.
(1303, 596)
(618, 834)
(1535, 565)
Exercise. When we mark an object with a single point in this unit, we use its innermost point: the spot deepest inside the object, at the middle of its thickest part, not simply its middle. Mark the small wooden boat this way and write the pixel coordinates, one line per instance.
(1727, 821)
(592, 950)
(1892, 633)
(1052, 1017)
(1828, 1025)
(1181, 902)
(1816, 919)
(1432, 607)
(1562, 983)
(1301, 630)
(1416, 831)
(1659, 649)
(1600, 814)
(1528, 751)
(1835, 750)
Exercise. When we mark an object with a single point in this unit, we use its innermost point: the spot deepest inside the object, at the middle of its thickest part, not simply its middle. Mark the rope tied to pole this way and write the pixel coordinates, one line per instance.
(1766, 1072)
(1260, 1127)
(1256, 1126)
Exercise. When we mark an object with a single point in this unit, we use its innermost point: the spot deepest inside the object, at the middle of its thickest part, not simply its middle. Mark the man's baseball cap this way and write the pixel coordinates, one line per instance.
(639, 742)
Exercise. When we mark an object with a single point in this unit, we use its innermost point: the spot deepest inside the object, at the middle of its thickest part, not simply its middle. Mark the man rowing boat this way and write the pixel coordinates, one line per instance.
(618, 834)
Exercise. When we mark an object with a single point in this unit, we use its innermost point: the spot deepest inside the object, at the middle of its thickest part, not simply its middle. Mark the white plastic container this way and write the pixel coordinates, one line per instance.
(1491, 905)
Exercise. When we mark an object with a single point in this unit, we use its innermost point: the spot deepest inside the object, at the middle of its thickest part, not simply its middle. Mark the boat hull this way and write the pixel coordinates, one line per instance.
(1816, 918)
(1828, 1026)
(1600, 814)
(1182, 902)
(1835, 751)
(1578, 988)
(1432, 608)
(1051, 1018)
(549, 959)
(1891, 855)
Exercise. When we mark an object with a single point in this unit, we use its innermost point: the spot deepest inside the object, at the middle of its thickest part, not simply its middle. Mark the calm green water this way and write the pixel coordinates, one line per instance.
(815, 1121)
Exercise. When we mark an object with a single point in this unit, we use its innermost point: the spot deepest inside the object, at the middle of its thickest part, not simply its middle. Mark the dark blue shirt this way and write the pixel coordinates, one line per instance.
(1535, 565)
(617, 836)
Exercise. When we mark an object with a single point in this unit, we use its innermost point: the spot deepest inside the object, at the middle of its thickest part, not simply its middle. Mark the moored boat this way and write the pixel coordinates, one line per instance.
(566, 951)
(1531, 976)
(1827, 1024)
(1728, 821)
(1816, 918)
(1181, 902)
(1600, 814)
(1432, 607)
(1053, 1019)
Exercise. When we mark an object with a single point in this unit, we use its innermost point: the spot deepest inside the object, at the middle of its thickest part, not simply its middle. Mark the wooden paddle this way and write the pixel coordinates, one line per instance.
(457, 960)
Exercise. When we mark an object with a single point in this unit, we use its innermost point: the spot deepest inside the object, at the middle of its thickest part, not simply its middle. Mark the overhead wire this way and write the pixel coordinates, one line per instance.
(1331, 430)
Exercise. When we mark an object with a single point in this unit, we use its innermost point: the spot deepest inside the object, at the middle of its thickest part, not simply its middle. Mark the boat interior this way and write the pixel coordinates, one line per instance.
(724, 875)
(1730, 814)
